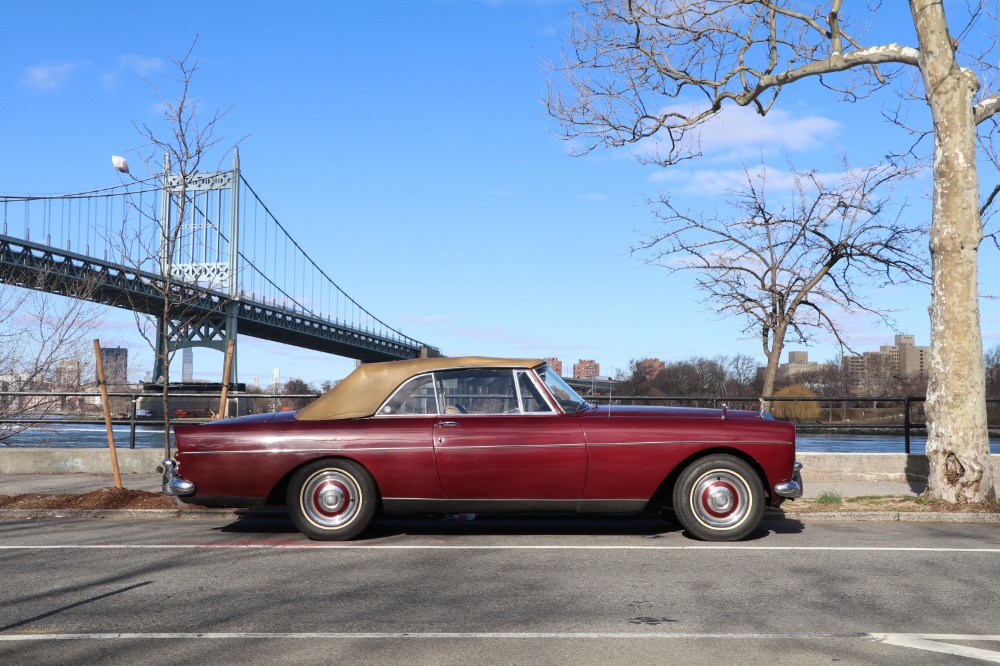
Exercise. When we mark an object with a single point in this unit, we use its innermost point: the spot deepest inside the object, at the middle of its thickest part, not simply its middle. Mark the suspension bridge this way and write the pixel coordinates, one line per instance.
(202, 249)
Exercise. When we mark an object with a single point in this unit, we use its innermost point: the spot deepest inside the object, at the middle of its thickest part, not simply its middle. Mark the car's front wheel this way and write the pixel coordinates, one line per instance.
(719, 498)
(332, 500)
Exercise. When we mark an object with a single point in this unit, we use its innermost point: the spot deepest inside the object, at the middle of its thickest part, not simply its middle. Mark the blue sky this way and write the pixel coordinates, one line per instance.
(405, 143)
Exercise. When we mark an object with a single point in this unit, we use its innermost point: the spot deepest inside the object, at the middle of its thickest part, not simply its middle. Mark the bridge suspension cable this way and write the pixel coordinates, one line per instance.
(122, 226)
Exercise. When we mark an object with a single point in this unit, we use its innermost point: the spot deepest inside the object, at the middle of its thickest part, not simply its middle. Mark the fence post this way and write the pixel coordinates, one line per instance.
(131, 422)
(906, 425)
(107, 413)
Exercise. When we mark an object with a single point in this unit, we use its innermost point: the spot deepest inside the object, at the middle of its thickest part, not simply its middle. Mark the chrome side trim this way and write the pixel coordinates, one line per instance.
(349, 448)
(362, 449)
(173, 484)
(711, 442)
(514, 447)
(345, 449)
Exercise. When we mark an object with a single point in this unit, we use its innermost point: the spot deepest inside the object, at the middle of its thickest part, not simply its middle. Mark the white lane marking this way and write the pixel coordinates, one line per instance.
(940, 643)
(362, 547)
(526, 635)
(928, 642)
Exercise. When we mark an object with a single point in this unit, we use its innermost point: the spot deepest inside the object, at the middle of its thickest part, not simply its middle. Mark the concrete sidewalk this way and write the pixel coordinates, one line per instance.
(72, 484)
(51, 484)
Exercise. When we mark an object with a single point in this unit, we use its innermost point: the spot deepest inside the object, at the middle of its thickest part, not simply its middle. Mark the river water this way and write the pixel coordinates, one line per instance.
(146, 437)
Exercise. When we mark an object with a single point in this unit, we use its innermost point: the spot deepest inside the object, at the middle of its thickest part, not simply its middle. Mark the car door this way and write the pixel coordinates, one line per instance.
(498, 438)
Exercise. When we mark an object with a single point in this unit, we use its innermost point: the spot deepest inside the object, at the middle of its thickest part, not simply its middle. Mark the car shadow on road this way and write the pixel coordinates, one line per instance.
(503, 525)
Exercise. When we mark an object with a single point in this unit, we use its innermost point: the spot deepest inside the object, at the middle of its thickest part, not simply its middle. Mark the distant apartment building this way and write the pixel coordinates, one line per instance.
(586, 369)
(649, 367)
(187, 365)
(555, 364)
(903, 359)
(798, 363)
(69, 373)
(911, 360)
(115, 362)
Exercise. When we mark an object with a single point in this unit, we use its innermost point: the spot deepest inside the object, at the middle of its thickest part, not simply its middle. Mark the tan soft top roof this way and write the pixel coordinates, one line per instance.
(364, 390)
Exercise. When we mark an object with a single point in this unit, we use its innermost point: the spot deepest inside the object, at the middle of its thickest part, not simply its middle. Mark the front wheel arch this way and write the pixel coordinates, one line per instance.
(662, 500)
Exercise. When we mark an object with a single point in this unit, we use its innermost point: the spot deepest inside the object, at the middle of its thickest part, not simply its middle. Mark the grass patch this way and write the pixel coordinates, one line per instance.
(829, 498)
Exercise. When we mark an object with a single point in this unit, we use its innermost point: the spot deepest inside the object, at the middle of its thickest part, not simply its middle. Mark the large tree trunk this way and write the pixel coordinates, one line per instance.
(773, 354)
(957, 441)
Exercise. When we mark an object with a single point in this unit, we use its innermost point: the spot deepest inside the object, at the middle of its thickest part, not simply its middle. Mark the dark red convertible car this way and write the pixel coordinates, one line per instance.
(474, 434)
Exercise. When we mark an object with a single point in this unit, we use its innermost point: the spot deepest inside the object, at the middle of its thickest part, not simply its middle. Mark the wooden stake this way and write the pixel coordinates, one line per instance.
(224, 404)
(107, 413)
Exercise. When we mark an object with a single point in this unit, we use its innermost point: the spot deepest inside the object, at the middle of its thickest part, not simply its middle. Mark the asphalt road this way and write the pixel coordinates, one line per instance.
(513, 591)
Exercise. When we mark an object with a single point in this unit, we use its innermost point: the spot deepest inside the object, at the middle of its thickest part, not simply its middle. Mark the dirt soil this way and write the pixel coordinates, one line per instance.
(106, 498)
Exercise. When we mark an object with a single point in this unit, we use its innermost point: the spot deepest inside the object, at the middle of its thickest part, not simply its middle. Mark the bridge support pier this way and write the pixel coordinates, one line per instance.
(214, 332)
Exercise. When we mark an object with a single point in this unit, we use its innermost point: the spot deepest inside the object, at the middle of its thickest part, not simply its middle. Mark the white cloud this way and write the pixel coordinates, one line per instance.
(47, 78)
(141, 65)
(737, 133)
(741, 127)
(710, 182)
(133, 66)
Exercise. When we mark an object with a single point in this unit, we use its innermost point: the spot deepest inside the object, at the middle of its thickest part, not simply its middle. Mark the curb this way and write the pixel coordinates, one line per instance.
(115, 513)
(884, 516)
(228, 514)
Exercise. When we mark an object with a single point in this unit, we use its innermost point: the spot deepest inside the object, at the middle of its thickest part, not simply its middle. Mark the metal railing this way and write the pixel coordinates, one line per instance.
(867, 415)
(871, 414)
(52, 415)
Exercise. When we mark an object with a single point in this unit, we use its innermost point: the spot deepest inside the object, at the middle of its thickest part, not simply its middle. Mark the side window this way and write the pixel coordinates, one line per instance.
(477, 392)
(414, 397)
(531, 398)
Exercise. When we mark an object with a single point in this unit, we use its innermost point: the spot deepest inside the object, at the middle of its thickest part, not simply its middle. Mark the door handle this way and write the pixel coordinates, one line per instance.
(446, 424)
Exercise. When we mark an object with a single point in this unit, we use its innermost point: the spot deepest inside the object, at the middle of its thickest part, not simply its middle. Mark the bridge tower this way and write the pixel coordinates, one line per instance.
(203, 255)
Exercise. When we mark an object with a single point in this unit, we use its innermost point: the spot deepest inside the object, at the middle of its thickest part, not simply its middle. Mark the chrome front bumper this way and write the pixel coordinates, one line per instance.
(791, 489)
(173, 484)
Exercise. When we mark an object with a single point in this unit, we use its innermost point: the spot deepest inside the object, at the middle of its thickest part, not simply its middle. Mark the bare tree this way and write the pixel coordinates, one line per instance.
(992, 359)
(880, 377)
(791, 268)
(743, 376)
(636, 379)
(162, 238)
(45, 345)
(639, 68)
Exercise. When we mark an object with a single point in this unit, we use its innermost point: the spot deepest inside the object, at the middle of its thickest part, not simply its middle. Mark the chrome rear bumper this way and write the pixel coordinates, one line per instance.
(791, 489)
(173, 484)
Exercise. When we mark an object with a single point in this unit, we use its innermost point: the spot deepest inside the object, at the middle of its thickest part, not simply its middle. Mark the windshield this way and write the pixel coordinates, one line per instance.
(567, 398)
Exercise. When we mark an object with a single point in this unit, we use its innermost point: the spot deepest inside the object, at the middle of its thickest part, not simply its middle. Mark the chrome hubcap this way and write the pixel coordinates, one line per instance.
(331, 498)
(721, 499)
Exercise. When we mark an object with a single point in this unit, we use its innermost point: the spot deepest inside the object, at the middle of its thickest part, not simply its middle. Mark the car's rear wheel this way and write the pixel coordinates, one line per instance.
(332, 500)
(719, 498)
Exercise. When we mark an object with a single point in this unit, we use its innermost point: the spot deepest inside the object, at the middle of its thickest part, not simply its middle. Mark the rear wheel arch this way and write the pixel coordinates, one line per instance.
(279, 492)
